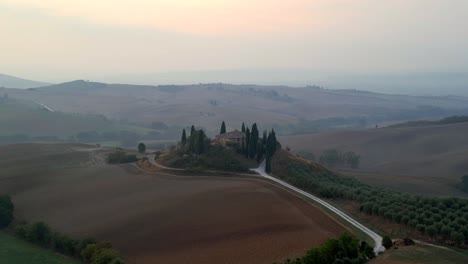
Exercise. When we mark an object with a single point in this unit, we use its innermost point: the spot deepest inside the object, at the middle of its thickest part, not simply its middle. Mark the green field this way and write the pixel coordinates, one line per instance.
(16, 251)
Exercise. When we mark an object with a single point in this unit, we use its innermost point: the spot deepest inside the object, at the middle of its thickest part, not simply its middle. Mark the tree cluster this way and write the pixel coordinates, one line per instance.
(443, 219)
(6, 210)
(254, 147)
(121, 157)
(197, 143)
(88, 250)
(344, 249)
(335, 158)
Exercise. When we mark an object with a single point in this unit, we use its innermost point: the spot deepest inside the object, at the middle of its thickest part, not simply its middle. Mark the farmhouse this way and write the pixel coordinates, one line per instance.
(235, 137)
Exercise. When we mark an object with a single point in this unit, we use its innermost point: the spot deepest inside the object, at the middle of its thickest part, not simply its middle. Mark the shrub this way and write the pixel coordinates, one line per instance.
(345, 249)
(387, 242)
(120, 157)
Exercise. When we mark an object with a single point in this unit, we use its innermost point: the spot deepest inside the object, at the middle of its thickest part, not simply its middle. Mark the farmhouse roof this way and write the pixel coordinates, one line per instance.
(236, 134)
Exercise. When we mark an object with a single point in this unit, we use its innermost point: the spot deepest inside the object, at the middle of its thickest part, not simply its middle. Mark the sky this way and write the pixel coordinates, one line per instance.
(58, 40)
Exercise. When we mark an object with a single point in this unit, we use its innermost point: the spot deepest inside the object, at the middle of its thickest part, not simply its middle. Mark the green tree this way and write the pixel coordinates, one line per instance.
(6, 210)
(247, 142)
(141, 147)
(253, 141)
(183, 140)
(200, 142)
(387, 242)
(40, 233)
(192, 130)
(243, 127)
(223, 128)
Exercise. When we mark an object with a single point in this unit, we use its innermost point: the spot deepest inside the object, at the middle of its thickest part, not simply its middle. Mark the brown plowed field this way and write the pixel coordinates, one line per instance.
(156, 218)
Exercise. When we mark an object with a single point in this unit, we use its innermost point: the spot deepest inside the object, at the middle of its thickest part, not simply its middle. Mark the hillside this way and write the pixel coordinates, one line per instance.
(422, 159)
(289, 110)
(156, 217)
(15, 82)
(23, 121)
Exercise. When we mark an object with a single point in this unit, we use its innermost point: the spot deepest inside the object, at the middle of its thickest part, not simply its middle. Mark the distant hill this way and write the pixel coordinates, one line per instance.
(444, 121)
(28, 121)
(420, 159)
(15, 82)
(290, 110)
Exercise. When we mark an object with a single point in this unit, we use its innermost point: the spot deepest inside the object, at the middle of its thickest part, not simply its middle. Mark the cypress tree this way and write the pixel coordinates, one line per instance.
(247, 142)
(253, 141)
(200, 142)
(192, 129)
(259, 152)
(223, 128)
(192, 140)
(243, 127)
(183, 141)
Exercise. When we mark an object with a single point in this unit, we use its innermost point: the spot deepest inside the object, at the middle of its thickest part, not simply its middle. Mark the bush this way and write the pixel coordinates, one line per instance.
(39, 233)
(387, 242)
(141, 147)
(345, 249)
(6, 210)
(215, 158)
(121, 157)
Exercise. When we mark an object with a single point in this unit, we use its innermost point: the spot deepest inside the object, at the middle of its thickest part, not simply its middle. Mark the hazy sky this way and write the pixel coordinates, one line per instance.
(55, 40)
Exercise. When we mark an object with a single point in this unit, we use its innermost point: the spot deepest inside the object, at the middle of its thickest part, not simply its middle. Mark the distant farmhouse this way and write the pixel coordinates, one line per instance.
(232, 138)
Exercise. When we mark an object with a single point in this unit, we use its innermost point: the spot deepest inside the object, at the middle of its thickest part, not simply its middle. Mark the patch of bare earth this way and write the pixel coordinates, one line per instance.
(156, 218)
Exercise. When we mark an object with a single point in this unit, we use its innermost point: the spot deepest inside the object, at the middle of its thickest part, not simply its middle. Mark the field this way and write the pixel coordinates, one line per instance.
(14, 250)
(421, 254)
(158, 218)
(422, 160)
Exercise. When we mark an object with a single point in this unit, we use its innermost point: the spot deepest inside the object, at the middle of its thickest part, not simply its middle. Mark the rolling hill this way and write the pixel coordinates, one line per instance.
(289, 110)
(422, 159)
(15, 82)
(23, 121)
(158, 217)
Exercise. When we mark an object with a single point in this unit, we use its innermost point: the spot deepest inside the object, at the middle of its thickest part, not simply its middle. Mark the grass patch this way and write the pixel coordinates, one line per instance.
(14, 250)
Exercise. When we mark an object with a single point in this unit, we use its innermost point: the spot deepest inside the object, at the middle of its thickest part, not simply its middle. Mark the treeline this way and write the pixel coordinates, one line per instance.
(344, 249)
(196, 143)
(196, 152)
(88, 250)
(442, 219)
(196, 149)
(254, 147)
(336, 158)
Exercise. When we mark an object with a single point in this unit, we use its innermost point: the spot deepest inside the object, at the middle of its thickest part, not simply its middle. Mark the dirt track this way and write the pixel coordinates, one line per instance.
(162, 219)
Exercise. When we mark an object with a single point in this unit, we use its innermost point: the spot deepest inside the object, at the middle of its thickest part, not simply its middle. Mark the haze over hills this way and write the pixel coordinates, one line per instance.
(289, 110)
(416, 83)
(16, 82)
